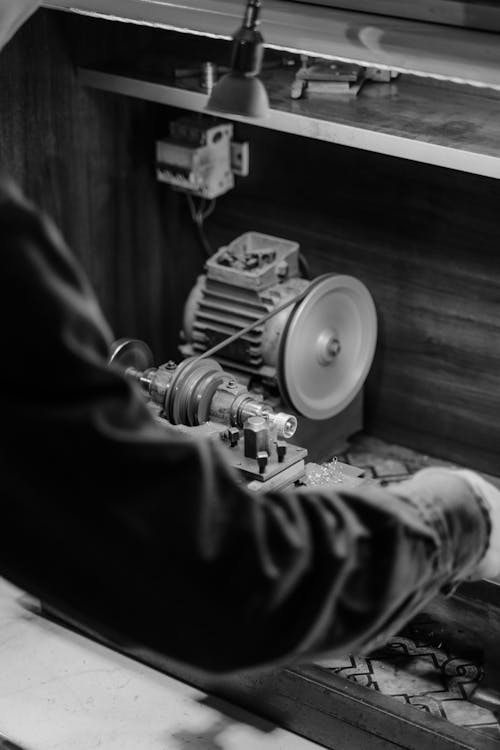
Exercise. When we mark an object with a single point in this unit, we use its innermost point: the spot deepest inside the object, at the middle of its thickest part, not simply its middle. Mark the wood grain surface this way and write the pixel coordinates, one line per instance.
(401, 44)
(315, 703)
(424, 240)
(88, 160)
(432, 122)
(472, 14)
(426, 243)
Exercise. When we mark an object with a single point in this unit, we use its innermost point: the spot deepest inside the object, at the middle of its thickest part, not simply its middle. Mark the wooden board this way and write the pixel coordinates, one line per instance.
(405, 45)
(423, 239)
(315, 703)
(86, 159)
(446, 125)
(472, 14)
(425, 242)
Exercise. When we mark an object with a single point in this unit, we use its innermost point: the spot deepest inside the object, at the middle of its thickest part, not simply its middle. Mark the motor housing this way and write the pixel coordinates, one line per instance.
(314, 354)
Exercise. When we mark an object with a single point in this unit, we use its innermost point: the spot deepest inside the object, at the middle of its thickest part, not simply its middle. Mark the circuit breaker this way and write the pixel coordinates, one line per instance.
(200, 157)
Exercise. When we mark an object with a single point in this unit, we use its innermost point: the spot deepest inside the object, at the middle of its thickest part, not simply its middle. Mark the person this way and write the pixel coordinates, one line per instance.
(142, 532)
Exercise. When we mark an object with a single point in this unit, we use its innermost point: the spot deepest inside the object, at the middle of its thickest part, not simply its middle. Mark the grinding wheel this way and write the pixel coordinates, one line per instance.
(327, 347)
(131, 353)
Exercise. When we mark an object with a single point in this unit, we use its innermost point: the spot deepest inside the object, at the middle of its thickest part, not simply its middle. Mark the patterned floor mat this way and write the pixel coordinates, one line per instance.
(423, 666)
(428, 677)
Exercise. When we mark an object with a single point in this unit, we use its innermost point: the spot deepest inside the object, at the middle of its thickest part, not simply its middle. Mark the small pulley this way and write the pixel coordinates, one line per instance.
(191, 390)
(131, 353)
(327, 346)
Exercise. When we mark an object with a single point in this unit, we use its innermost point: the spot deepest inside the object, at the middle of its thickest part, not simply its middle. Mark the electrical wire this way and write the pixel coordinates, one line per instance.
(304, 267)
(199, 214)
(204, 241)
(211, 208)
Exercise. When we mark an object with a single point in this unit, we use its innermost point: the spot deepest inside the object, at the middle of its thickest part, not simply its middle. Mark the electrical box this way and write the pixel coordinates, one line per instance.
(199, 157)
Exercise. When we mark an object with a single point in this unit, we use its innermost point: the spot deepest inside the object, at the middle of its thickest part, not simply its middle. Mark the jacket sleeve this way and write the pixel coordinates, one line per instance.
(138, 530)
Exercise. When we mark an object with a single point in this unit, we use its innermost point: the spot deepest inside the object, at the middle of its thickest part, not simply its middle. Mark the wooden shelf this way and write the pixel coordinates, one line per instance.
(471, 14)
(402, 44)
(445, 125)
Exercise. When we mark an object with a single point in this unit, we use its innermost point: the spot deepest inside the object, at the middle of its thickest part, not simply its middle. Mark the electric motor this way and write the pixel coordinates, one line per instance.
(316, 352)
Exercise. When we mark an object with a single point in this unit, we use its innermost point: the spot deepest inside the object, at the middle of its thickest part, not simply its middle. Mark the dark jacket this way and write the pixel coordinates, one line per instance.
(147, 533)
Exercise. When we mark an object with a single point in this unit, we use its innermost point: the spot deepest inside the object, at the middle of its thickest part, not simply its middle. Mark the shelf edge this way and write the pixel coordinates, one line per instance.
(309, 127)
(417, 47)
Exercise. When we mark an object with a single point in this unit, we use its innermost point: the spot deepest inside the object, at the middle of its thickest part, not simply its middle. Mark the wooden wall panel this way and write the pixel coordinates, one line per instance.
(424, 240)
(426, 243)
(88, 159)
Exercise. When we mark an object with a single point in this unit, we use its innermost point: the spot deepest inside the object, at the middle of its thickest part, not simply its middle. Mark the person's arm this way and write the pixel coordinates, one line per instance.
(143, 532)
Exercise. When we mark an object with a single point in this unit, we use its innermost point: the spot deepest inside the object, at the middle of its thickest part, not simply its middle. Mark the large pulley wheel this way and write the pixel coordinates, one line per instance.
(327, 347)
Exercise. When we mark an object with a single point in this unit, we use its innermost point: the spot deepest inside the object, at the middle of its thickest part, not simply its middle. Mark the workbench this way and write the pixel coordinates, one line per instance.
(59, 689)
(62, 689)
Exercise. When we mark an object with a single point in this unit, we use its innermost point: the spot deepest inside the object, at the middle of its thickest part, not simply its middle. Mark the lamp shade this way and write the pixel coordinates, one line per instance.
(238, 94)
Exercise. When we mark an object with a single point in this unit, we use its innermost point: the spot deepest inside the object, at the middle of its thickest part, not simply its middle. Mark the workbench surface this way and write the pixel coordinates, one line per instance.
(59, 689)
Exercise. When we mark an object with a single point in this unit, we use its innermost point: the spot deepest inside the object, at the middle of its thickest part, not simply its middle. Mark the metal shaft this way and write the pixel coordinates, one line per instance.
(251, 326)
(252, 11)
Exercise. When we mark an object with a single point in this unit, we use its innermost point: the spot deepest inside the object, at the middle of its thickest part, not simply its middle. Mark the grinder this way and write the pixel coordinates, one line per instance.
(285, 347)
(198, 397)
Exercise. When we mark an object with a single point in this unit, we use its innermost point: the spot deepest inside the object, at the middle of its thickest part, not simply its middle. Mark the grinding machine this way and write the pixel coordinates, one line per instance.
(263, 348)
